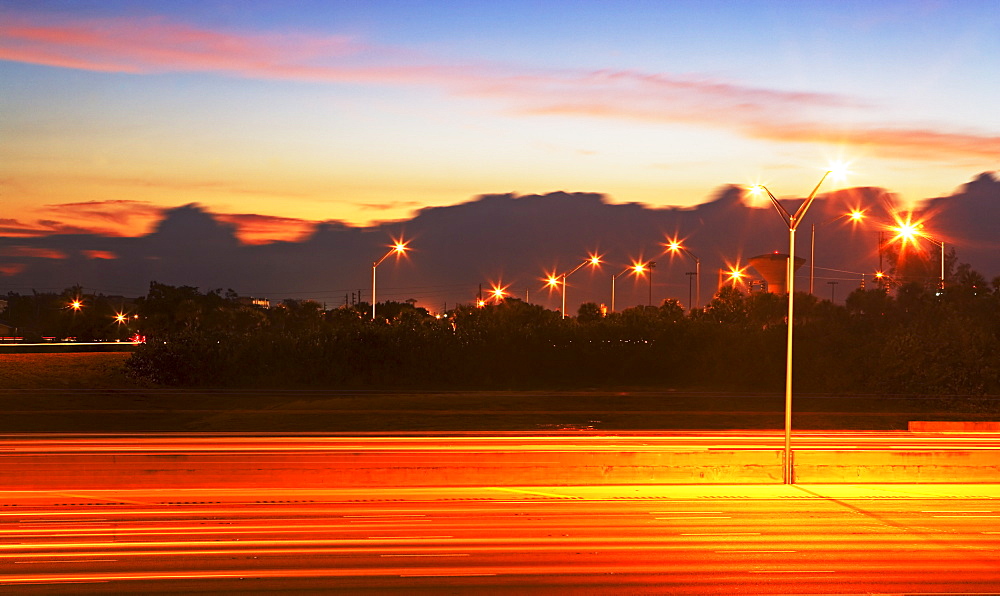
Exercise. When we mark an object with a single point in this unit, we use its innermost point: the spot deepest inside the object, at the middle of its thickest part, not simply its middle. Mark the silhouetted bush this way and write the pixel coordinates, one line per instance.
(916, 342)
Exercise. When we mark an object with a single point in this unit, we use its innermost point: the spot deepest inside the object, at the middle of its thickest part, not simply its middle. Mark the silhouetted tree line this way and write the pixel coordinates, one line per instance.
(913, 340)
(71, 314)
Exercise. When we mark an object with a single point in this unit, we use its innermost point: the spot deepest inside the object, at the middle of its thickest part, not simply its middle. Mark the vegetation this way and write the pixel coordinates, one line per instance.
(901, 338)
(911, 341)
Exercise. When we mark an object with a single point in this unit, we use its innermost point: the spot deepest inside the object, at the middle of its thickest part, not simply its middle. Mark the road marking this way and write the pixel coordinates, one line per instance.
(699, 517)
(406, 537)
(797, 571)
(966, 516)
(670, 512)
(533, 492)
(956, 511)
(723, 534)
(447, 574)
(93, 498)
(430, 555)
(390, 515)
(756, 551)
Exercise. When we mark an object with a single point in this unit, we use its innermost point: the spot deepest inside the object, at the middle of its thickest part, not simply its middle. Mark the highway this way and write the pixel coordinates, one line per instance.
(755, 539)
(457, 441)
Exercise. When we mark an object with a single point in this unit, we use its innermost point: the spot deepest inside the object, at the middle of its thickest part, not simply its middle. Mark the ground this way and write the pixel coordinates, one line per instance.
(89, 392)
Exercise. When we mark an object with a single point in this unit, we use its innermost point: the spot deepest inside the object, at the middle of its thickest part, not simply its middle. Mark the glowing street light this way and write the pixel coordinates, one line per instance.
(76, 304)
(909, 232)
(398, 248)
(635, 269)
(792, 220)
(555, 281)
(498, 293)
(855, 216)
(736, 275)
(675, 247)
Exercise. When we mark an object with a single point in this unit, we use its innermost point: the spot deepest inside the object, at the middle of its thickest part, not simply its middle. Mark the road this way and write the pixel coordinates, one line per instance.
(828, 539)
(582, 440)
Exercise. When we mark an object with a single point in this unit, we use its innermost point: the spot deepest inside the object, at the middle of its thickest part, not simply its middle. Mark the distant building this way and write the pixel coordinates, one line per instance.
(251, 301)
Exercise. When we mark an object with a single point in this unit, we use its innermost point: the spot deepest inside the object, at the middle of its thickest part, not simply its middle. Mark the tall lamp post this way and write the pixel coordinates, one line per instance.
(397, 249)
(560, 280)
(675, 246)
(792, 221)
(908, 232)
(636, 268)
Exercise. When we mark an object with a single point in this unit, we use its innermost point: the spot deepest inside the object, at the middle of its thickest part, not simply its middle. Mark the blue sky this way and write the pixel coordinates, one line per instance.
(277, 115)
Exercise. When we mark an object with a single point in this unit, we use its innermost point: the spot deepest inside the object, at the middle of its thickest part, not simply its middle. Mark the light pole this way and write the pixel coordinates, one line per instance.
(557, 280)
(792, 221)
(906, 231)
(636, 268)
(675, 246)
(398, 248)
(855, 216)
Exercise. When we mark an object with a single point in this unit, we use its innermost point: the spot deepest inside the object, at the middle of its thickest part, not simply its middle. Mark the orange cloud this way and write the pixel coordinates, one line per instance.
(99, 254)
(119, 211)
(156, 44)
(261, 229)
(33, 252)
(10, 269)
(888, 142)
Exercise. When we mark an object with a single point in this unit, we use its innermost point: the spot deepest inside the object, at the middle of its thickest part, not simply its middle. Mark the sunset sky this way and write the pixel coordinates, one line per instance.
(275, 115)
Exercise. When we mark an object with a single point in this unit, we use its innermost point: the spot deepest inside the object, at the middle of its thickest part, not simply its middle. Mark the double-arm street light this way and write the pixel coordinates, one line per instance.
(792, 220)
(397, 249)
(560, 280)
(635, 268)
(675, 247)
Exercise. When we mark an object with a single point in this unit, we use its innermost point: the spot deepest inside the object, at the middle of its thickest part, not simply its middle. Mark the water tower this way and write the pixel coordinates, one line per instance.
(774, 268)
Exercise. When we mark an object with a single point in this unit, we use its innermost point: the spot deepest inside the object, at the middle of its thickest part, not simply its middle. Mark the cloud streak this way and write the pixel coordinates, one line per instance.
(156, 45)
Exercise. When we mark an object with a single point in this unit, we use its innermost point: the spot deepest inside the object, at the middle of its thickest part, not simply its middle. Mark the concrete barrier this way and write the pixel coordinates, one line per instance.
(953, 426)
(853, 466)
(521, 467)
(387, 468)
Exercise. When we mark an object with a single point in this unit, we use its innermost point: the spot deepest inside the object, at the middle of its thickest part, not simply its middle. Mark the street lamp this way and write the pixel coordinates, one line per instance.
(398, 248)
(675, 246)
(908, 232)
(792, 221)
(636, 268)
(855, 215)
(557, 280)
(498, 293)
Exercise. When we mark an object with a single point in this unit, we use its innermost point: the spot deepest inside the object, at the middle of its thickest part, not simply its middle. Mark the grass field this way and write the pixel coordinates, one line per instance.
(71, 370)
(89, 392)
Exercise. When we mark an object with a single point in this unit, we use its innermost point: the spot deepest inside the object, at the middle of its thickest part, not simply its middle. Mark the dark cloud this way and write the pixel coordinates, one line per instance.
(503, 238)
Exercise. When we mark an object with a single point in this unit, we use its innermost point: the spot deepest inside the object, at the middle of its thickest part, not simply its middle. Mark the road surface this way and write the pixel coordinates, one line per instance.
(807, 539)
(582, 440)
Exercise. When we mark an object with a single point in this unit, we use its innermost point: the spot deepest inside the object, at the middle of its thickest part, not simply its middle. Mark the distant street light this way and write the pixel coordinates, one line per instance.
(560, 280)
(792, 221)
(675, 246)
(855, 215)
(397, 249)
(498, 293)
(635, 268)
(908, 231)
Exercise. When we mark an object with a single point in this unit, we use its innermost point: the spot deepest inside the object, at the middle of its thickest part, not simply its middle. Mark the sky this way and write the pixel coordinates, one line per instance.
(276, 115)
